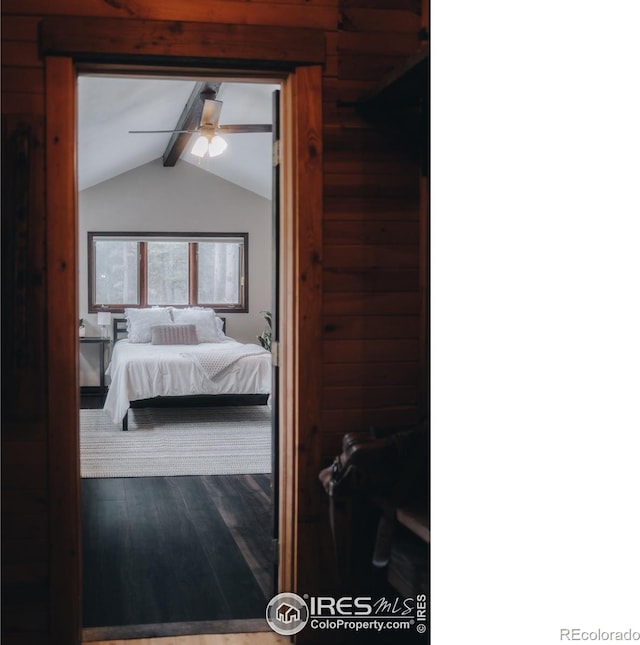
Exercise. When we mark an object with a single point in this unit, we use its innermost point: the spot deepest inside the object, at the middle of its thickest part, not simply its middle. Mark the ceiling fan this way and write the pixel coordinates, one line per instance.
(209, 129)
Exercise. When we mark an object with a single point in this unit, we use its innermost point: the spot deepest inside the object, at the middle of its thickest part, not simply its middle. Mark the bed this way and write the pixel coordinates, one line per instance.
(144, 371)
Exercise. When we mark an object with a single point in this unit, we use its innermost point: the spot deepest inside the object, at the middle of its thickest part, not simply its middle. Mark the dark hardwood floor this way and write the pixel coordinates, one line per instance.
(175, 549)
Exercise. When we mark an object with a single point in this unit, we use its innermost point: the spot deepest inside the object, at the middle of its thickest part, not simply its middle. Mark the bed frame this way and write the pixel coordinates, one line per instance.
(195, 400)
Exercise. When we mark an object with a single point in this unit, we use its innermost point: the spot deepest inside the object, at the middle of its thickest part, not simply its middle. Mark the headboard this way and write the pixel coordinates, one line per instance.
(120, 327)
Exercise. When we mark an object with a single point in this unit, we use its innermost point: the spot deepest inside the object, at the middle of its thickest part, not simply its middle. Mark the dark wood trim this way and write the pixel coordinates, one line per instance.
(242, 307)
(143, 278)
(244, 268)
(90, 275)
(168, 234)
(193, 273)
(181, 69)
(82, 37)
(92, 307)
(62, 341)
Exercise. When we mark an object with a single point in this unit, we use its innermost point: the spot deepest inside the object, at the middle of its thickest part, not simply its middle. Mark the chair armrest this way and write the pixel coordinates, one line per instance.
(393, 465)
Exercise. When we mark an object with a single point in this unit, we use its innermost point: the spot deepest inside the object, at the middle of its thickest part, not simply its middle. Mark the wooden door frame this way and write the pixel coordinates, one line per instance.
(300, 293)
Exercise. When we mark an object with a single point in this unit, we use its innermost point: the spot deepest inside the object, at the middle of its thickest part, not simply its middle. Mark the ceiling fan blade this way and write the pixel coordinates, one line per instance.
(249, 127)
(160, 131)
(211, 112)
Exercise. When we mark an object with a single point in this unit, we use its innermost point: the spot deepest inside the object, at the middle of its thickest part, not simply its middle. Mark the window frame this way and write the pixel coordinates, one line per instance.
(193, 239)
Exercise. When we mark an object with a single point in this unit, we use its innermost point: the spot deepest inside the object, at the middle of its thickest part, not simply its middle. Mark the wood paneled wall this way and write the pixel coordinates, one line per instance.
(373, 314)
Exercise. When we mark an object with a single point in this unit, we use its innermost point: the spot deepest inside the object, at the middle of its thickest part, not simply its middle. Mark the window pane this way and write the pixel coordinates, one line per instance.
(168, 273)
(116, 273)
(219, 272)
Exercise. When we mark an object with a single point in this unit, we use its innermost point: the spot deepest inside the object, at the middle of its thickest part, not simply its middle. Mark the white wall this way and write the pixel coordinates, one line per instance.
(179, 199)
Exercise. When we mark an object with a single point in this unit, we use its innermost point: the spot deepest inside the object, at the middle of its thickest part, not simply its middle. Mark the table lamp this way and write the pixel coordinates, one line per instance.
(104, 320)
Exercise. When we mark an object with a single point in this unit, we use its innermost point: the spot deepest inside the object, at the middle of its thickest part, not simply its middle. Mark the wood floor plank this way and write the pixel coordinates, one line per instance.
(244, 596)
(264, 481)
(92, 565)
(249, 527)
(103, 489)
(197, 582)
(171, 550)
(110, 542)
(153, 572)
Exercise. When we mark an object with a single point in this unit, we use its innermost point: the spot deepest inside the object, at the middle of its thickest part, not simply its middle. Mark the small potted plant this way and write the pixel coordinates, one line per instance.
(81, 328)
(265, 337)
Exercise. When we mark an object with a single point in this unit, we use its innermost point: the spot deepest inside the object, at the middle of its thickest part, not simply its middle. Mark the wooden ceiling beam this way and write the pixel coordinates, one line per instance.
(189, 120)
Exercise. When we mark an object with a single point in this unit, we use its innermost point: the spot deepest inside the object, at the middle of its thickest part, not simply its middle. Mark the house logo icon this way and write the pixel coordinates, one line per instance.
(287, 614)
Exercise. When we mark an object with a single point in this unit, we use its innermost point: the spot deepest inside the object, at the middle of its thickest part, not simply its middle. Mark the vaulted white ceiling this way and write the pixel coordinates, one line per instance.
(109, 107)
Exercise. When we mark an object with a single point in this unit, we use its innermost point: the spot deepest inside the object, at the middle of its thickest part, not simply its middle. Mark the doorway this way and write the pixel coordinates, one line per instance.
(184, 545)
(300, 310)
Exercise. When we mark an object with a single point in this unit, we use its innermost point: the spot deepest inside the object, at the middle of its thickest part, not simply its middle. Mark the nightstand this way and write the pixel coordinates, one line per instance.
(103, 343)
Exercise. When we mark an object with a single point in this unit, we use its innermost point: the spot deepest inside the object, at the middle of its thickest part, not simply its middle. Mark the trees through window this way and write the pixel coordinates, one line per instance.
(145, 269)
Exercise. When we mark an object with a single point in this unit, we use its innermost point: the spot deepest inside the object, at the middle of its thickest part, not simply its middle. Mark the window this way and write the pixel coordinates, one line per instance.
(180, 269)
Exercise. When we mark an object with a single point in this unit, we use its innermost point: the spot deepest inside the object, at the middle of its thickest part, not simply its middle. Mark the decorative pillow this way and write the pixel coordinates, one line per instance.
(204, 320)
(174, 335)
(140, 321)
(220, 326)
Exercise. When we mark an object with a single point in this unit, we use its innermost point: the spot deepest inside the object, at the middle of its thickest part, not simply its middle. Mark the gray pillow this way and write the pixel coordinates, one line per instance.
(174, 335)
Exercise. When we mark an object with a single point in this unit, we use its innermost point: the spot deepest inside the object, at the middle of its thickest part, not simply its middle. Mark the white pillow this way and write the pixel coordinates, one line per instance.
(140, 321)
(204, 320)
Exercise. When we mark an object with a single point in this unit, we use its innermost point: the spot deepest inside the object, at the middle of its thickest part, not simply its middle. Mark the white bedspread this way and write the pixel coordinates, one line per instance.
(144, 371)
(216, 361)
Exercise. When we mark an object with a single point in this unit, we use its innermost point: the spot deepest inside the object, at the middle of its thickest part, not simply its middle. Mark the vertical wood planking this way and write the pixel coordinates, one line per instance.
(64, 475)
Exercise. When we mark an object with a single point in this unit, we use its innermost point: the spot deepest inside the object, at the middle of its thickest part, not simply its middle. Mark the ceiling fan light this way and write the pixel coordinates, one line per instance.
(200, 147)
(217, 146)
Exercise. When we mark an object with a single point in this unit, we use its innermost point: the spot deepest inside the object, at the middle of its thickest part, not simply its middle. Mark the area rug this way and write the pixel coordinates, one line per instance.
(163, 442)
